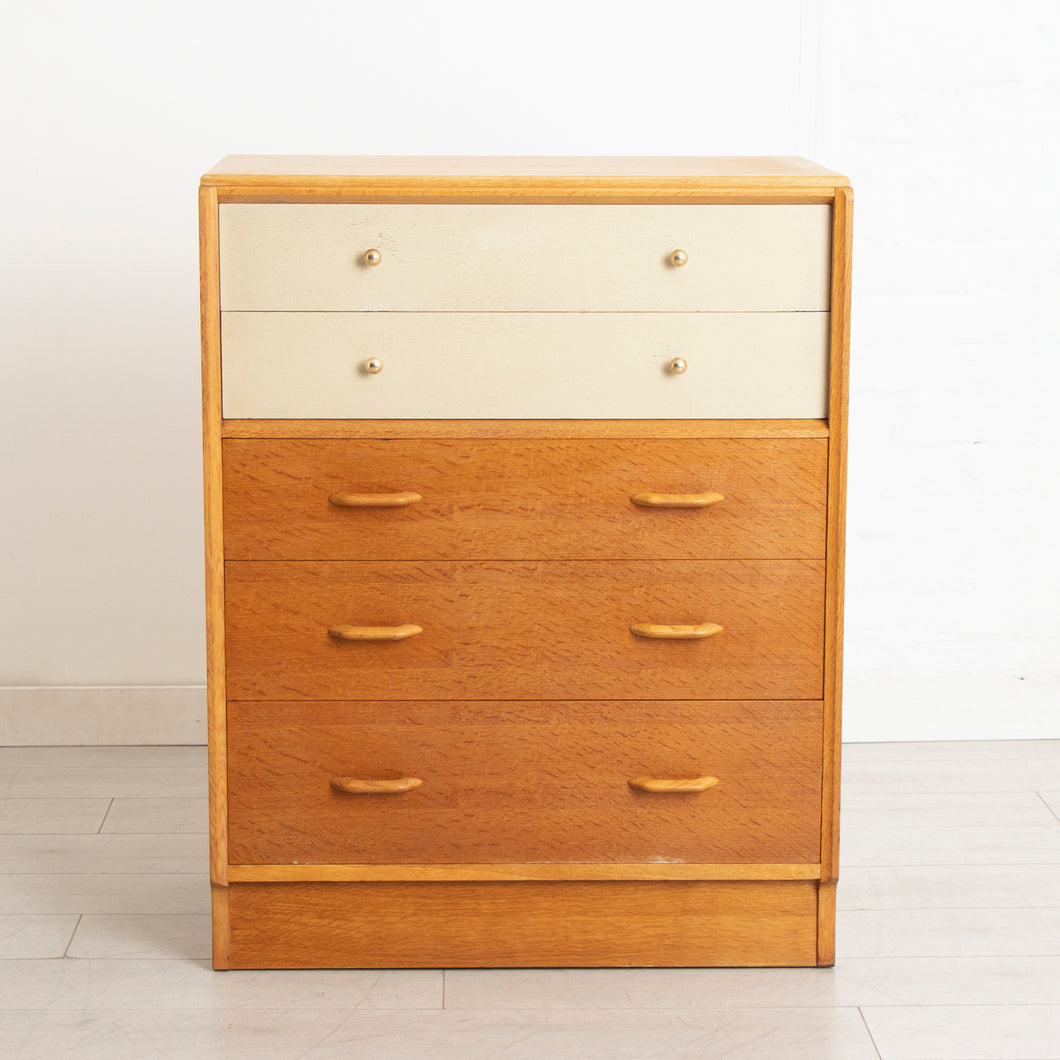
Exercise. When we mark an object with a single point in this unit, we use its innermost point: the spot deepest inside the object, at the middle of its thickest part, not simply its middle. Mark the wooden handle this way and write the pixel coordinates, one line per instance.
(658, 632)
(372, 786)
(676, 500)
(665, 785)
(374, 500)
(376, 633)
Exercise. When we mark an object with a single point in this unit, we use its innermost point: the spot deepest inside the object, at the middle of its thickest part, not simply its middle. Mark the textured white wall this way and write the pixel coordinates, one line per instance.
(944, 116)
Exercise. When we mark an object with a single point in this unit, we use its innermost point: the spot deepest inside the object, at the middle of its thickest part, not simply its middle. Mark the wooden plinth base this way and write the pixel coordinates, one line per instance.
(524, 924)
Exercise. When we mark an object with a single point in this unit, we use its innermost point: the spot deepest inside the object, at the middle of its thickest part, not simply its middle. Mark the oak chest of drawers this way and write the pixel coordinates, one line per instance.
(524, 523)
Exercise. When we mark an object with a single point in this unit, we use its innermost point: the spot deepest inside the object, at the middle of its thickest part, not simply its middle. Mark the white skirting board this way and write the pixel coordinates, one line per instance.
(97, 716)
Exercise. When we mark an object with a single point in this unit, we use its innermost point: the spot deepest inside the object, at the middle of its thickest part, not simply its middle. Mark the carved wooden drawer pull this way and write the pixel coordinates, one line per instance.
(374, 633)
(676, 500)
(374, 500)
(659, 632)
(372, 786)
(666, 785)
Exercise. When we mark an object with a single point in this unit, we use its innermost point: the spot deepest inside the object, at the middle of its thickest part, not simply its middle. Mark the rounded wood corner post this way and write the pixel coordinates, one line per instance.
(826, 924)
(837, 460)
(215, 656)
(222, 934)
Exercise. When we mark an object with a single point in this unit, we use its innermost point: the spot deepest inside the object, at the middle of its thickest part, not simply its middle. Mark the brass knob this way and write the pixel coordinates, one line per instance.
(373, 366)
(678, 365)
(678, 258)
(372, 257)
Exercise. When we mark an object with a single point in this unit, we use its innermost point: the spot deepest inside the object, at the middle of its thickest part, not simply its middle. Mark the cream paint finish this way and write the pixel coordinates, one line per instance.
(277, 256)
(525, 365)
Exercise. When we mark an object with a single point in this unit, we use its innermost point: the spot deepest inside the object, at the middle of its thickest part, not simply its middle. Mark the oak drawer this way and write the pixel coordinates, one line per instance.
(524, 782)
(515, 258)
(524, 498)
(312, 365)
(523, 630)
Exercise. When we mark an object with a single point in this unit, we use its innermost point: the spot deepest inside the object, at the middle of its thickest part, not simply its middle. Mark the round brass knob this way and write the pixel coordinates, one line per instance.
(678, 258)
(678, 365)
(373, 366)
(372, 257)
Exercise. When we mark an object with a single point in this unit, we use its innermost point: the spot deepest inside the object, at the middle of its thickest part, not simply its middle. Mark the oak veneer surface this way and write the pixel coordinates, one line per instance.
(524, 499)
(525, 630)
(739, 169)
(533, 782)
(461, 925)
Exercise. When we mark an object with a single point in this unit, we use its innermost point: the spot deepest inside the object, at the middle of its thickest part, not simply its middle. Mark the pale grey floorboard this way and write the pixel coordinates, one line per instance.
(104, 781)
(794, 1034)
(106, 892)
(1013, 809)
(142, 936)
(966, 1032)
(118, 984)
(948, 932)
(101, 757)
(52, 816)
(103, 853)
(856, 981)
(951, 775)
(176, 815)
(1035, 845)
(23, 937)
(948, 887)
(116, 1034)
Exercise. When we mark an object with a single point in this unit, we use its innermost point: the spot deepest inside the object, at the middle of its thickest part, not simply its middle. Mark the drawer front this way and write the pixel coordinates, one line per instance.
(599, 258)
(524, 499)
(524, 630)
(525, 365)
(524, 782)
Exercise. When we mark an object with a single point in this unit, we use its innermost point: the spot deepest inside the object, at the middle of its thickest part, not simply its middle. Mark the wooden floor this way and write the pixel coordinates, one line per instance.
(948, 935)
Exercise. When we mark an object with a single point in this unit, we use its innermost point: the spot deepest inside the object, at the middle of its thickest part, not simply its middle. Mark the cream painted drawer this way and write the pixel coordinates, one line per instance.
(525, 365)
(598, 258)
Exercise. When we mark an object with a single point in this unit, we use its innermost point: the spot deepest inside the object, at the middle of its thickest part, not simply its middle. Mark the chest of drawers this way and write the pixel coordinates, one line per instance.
(524, 526)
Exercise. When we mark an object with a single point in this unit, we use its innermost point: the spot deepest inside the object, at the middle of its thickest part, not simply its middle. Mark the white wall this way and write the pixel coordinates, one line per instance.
(944, 116)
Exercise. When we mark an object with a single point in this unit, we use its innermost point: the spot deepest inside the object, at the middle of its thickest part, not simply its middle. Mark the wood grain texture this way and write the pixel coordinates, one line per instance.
(374, 785)
(374, 500)
(525, 782)
(826, 896)
(568, 258)
(501, 872)
(383, 634)
(741, 171)
(524, 630)
(676, 500)
(493, 428)
(524, 499)
(460, 925)
(672, 785)
(654, 631)
(837, 461)
(524, 365)
(221, 931)
(213, 531)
